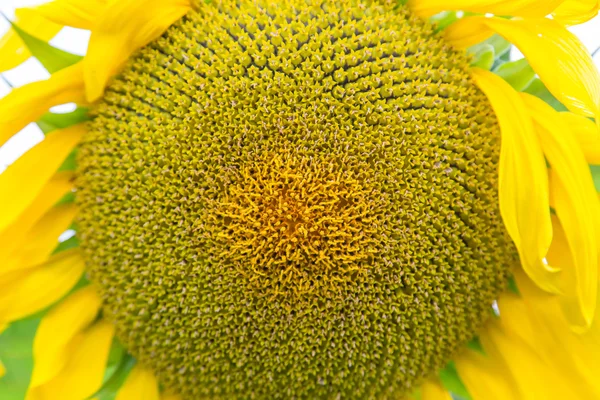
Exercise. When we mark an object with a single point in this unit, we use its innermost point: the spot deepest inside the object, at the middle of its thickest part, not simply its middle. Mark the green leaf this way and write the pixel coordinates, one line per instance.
(501, 46)
(483, 55)
(109, 389)
(596, 175)
(538, 89)
(52, 121)
(16, 353)
(451, 381)
(518, 74)
(52, 59)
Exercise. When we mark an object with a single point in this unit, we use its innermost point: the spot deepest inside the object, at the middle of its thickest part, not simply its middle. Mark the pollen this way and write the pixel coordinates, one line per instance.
(294, 200)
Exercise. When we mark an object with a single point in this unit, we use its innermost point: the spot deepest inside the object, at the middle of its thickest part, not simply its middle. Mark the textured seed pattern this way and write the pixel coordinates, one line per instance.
(294, 200)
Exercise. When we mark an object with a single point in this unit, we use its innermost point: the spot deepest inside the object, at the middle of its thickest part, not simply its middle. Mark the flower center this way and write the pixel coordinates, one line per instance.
(294, 200)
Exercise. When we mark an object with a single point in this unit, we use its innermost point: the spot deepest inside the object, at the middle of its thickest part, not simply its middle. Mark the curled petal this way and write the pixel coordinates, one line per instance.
(575, 202)
(523, 185)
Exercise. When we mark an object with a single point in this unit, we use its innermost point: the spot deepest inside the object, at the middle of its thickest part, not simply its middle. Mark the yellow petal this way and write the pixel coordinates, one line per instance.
(524, 202)
(530, 373)
(433, 390)
(521, 8)
(123, 28)
(575, 201)
(573, 355)
(28, 103)
(41, 240)
(83, 373)
(76, 13)
(587, 135)
(572, 78)
(573, 12)
(41, 286)
(23, 181)
(12, 237)
(58, 327)
(13, 51)
(140, 385)
(485, 378)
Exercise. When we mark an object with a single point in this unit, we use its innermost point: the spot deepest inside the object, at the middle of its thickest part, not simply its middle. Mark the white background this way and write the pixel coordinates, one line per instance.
(75, 41)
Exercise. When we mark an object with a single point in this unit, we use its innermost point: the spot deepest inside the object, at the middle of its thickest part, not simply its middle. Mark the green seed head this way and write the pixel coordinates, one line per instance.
(294, 200)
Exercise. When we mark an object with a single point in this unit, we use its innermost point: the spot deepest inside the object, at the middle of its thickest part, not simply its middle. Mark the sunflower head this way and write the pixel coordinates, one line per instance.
(305, 199)
(300, 181)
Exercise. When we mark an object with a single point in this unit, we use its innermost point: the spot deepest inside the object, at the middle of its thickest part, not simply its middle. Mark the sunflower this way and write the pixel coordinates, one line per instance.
(303, 199)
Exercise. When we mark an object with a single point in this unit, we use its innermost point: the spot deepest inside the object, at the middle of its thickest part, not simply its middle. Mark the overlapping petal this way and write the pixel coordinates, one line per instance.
(587, 135)
(523, 185)
(76, 13)
(576, 205)
(485, 377)
(41, 240)
(555, 54)
(523, 8)
(573, 12)
(13, 51)
(23, 181)
(13, 236)
(28, 103)
(141, 384)
(433, 390)
(539, 344)
(23, 293)
(83, 372)
(57, 329)
(123, 28)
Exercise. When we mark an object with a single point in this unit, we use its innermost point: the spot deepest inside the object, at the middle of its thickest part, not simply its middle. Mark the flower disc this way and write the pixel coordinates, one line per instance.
(294, 200)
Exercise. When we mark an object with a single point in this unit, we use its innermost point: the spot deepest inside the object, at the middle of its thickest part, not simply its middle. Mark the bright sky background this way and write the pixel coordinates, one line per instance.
(75, 41)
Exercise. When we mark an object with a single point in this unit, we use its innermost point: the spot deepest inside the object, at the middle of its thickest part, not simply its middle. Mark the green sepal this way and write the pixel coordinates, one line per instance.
(115, 357)
(452, 382)
(518, 74)
(512, 286)
(16, 353)
(68, 244)
(483, 55)
(110, 388)
(475, 344)
(50, 57)
(66, 199)
(443, 20)
(70, 162)
(52, 121)
(416, 394)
